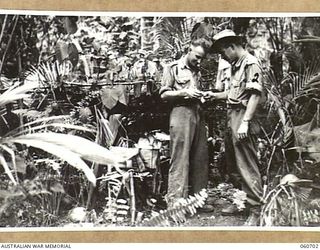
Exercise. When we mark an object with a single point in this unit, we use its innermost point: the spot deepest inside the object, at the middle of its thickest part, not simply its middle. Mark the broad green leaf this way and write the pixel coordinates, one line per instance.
(70, 24)
(110, 96)
(60, 151)
(84, 148)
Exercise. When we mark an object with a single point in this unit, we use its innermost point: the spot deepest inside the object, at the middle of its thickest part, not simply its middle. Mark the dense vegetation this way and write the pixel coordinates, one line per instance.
(84, 134)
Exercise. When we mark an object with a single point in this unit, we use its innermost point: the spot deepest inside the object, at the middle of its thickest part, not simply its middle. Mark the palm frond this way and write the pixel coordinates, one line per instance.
(307, 81)
(282, 135)
(49, 74)
(171, 32)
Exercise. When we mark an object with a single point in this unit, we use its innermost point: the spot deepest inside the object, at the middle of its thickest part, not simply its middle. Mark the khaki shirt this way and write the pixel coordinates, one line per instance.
(223, 75)
(178, 75)
(246, 76)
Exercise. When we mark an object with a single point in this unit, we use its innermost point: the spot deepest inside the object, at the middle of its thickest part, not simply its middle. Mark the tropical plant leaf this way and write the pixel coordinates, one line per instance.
(306, 80)
(12, 154)
(66, 51)
(111, 96)
(55, 125)
(70, 24)
(282, 135)
(202, 30)
(109, 127)
(171, 32)
(49, 74)
(86, 149)
(16, 92)
(60, 151)
(7, 170)
(46, 122)
(62, 51)
(47, 119)
(73, 54)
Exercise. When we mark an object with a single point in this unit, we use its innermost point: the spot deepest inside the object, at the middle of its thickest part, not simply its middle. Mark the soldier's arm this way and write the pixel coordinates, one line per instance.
(181, 94)
(251, 107)
(254, 87)
(216, 95)
(168, 92)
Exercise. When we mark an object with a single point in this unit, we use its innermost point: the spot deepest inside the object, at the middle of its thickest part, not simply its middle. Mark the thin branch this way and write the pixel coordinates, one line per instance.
(3, 28)
(9, 43)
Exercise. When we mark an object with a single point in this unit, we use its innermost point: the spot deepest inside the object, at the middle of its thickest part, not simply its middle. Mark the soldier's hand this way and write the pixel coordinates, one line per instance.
(209, 95)
(192, 93)
(243, 130)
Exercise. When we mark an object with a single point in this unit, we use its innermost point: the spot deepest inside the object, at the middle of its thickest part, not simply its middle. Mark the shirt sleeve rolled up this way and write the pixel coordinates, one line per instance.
(254, 78)
(167, 82)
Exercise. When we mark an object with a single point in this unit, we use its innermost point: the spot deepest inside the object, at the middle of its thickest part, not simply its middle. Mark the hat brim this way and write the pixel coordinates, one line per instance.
(215, 48)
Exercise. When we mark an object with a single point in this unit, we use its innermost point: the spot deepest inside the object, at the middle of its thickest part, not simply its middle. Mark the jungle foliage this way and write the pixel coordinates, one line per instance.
(87, 134)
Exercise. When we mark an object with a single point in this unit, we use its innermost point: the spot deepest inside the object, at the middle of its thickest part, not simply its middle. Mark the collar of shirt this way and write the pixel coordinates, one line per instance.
(182, 64)
(238, 63)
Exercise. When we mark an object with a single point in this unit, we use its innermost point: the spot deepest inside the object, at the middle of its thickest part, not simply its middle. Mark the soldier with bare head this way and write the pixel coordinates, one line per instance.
(188, 173)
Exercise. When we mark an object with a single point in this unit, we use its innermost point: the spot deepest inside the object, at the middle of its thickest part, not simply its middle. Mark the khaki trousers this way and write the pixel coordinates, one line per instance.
(242, 156)
(188, 172)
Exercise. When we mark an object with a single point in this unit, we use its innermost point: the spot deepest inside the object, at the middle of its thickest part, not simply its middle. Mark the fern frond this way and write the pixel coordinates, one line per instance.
(177, 214)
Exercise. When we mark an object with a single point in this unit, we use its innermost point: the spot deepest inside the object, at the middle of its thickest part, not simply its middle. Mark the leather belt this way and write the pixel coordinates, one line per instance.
(186, 103)
(236, 106)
